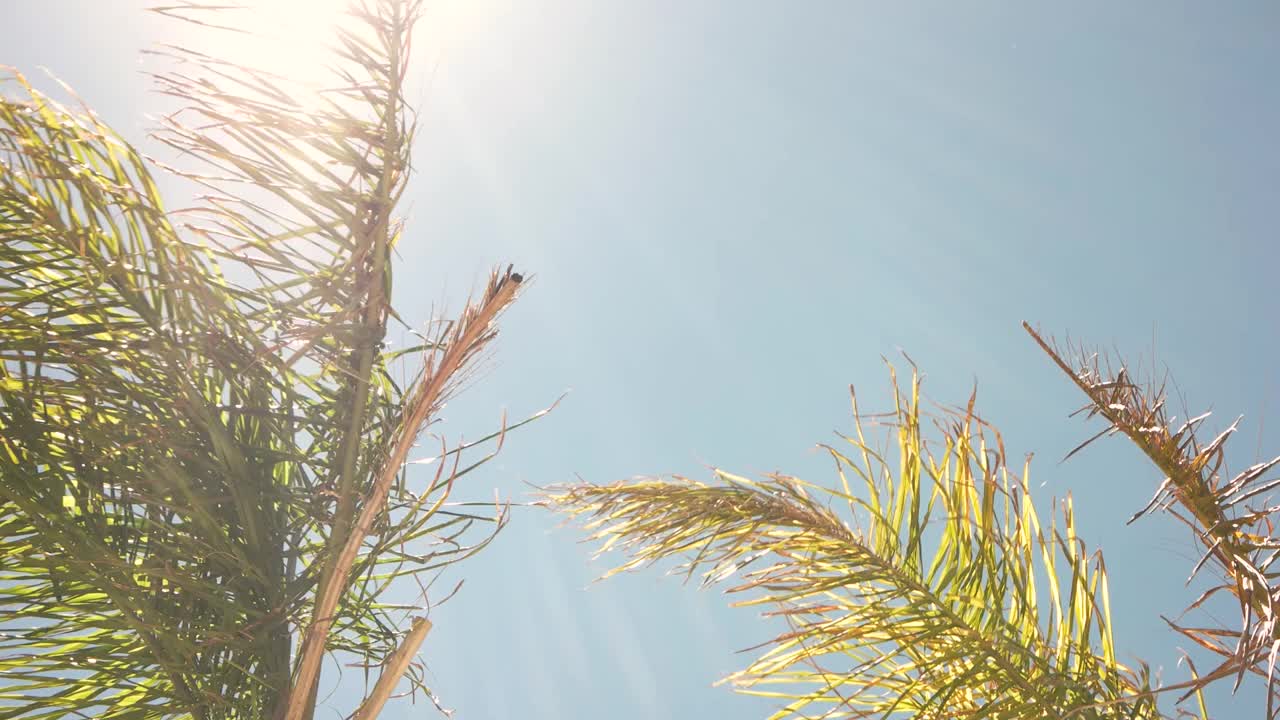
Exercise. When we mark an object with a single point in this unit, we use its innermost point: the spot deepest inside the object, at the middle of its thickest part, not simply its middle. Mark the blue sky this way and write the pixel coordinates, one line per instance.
(733, 210)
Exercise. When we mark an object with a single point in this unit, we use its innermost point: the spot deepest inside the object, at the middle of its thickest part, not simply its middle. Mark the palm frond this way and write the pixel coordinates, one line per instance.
(203, 442)
(1232, 518)
(124, 364)
(936, 594)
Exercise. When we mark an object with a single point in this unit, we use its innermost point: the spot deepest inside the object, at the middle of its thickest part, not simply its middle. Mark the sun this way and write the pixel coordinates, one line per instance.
(295, 39)
(288, 38)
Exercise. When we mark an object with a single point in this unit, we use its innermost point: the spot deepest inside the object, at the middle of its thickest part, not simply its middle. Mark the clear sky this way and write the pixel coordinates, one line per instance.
(734, 209)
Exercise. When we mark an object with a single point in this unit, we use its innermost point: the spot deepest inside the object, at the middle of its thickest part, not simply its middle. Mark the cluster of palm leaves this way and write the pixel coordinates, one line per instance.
(203, 433)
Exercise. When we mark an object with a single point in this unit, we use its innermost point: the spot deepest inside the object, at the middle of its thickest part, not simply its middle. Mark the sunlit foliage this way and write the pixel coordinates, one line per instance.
(203, 433)
(922, 583)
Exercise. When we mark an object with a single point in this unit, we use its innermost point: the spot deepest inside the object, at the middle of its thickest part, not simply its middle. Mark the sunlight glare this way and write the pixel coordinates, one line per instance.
(292, 39)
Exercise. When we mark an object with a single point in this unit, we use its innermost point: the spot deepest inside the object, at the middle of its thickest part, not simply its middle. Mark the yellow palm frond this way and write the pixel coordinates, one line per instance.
(923, 585)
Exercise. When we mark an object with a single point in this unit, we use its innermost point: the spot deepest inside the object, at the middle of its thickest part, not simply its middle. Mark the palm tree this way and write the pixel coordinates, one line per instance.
(203, 435)
(924, 584)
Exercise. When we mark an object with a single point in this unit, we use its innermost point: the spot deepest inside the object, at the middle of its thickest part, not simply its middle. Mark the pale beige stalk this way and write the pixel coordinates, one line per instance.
(466, 339)
(394, 669)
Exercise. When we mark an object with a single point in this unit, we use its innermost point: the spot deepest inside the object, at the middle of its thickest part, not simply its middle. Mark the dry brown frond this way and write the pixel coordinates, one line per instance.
(1238, 536)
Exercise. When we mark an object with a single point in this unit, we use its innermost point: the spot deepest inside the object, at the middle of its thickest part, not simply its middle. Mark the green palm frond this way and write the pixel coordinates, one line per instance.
(938, 594)
(1230, 517)
(203, 441)
(123, 539)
